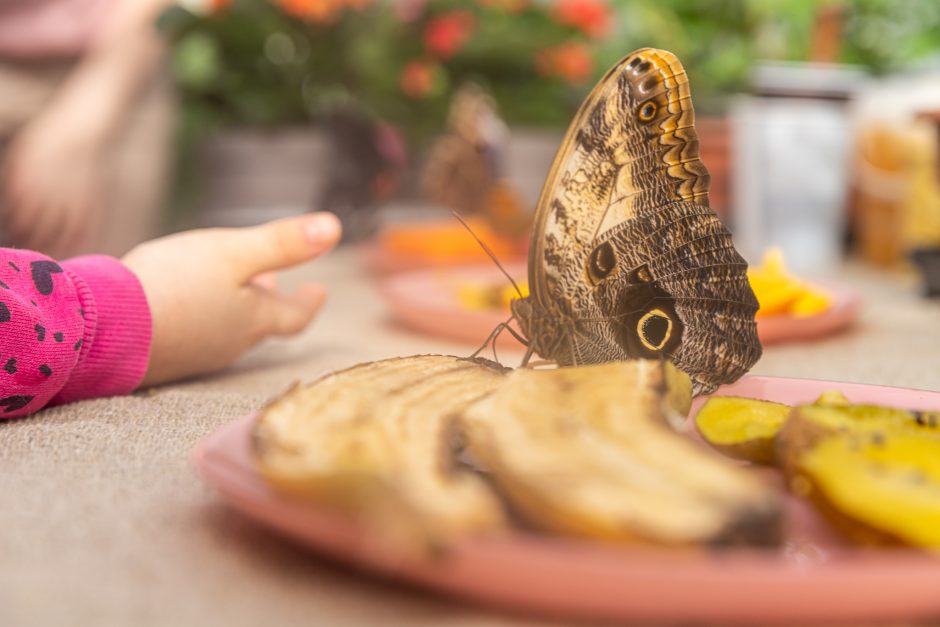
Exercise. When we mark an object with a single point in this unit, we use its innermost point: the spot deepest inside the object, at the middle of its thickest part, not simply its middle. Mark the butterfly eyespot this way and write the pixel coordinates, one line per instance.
(654, 329)
(645, 66)
(641, 275)
(635, 62)
(602, 262)
(649, 84)
(648, 111)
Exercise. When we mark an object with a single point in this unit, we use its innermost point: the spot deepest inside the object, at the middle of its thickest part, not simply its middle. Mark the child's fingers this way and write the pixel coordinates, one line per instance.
(265, 280)
(288, 314)
(283, 243)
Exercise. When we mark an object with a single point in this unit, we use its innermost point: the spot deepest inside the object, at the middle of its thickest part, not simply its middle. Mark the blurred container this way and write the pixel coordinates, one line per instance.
(882, 187)
(249, 176)
(897, 162)
(928, 261)
(530, 153)
(791, 162)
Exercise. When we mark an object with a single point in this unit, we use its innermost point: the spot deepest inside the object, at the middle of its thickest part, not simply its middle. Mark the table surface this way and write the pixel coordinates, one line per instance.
(104, 521)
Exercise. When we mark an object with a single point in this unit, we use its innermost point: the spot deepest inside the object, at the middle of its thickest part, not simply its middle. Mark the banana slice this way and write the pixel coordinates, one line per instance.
(375, 441)
(589, 451)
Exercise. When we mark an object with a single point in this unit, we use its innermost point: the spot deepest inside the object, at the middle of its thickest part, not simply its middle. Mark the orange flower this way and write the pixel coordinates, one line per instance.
(592, 17)
(219, 5)
(446, 34)
(320, 11)
(571, 61)
(417, 78)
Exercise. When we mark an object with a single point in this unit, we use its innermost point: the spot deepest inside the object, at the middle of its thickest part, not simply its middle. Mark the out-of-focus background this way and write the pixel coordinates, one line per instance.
(819, 119)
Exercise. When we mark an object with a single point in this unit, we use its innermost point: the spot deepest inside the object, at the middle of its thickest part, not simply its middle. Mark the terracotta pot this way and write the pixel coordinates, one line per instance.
(714, 135)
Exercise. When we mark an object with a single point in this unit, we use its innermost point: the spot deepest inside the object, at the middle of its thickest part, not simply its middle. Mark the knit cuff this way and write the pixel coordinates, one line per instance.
(115, 349)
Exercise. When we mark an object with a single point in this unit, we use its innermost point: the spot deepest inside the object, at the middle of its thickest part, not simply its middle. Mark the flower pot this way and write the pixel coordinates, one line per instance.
(714, 136)
(249, 176)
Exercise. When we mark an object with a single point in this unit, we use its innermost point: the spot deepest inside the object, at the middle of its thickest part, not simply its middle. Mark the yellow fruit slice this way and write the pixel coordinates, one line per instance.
(742, 428)
(810, 302)
(877, 487)
(780, 293)
(874, 472)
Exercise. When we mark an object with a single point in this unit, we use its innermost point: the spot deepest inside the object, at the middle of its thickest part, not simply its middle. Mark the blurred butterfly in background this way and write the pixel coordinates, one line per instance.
(627, 260)
(465, 169)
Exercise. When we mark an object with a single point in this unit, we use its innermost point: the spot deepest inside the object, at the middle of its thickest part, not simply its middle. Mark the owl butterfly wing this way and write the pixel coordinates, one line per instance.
(612, 162)
(625, 249)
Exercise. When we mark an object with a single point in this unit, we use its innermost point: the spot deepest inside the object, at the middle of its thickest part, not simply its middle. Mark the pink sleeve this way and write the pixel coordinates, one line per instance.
(68, 332)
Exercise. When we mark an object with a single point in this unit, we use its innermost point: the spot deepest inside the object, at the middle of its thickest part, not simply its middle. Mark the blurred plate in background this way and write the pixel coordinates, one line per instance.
(437, 243)
(840, 316)
(432, 302)
(429, 301)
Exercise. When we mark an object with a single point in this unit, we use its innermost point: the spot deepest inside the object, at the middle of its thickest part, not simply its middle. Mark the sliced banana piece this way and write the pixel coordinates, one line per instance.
(376, 441)
(589, 451)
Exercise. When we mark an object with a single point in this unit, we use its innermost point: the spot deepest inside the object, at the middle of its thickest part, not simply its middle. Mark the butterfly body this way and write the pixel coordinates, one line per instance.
(627, 260)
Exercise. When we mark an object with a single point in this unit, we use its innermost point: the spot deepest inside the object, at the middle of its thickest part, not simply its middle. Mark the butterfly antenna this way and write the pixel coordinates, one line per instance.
(490, 253)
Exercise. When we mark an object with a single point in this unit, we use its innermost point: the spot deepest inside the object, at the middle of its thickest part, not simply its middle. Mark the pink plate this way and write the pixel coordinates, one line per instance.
(812, 578)
(840, 316)
(428, 301)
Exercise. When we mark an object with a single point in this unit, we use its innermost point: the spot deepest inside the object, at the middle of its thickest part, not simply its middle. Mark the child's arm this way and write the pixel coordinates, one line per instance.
(82, 328)
(68, 331)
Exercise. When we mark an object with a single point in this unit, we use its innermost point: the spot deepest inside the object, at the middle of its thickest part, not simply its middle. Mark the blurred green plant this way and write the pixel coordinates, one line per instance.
(276, 62)
(719, 41)
(268, 62)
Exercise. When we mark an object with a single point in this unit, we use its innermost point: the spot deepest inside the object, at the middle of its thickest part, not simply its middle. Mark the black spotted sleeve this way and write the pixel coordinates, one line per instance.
(68, 331)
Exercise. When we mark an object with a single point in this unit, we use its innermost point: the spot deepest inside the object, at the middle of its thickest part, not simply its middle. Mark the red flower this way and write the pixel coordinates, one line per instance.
(417, 78)
(571, 62)
(592, 17)
(446, 34)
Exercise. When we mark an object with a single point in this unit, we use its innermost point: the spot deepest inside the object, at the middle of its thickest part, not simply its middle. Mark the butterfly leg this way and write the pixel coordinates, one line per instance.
(528, 355)
(494, 335)
(515, 334)
(487, 341)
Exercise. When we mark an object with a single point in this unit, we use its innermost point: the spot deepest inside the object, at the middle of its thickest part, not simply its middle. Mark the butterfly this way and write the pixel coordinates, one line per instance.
(627, 260)
(465, 170)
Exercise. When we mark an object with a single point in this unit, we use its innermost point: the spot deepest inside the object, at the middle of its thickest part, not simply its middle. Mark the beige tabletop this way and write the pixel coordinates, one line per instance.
(104, 522)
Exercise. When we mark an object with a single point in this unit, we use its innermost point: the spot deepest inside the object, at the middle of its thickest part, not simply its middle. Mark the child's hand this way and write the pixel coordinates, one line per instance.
(212, 296)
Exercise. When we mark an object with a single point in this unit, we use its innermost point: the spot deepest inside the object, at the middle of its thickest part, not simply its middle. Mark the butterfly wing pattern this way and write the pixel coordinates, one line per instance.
(627, 260)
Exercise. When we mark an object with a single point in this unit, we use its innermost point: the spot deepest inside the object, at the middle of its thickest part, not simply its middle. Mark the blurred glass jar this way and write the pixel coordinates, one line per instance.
(791, 162)
(896, 169)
